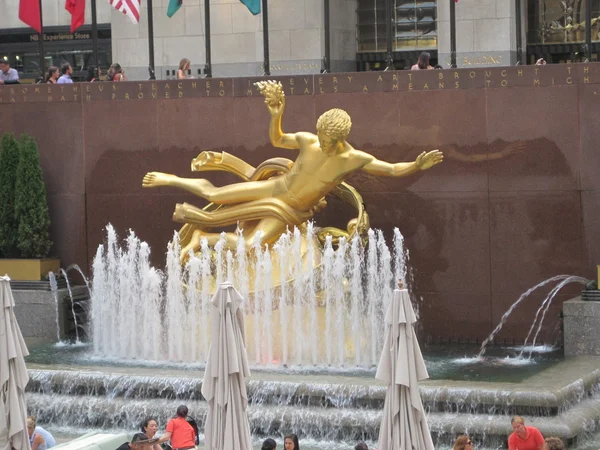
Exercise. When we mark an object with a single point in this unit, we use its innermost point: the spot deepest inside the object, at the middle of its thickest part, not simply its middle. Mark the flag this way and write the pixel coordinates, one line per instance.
(252, 5)
(173, 7)
(77, 10)
(29, 13)
(131, 8)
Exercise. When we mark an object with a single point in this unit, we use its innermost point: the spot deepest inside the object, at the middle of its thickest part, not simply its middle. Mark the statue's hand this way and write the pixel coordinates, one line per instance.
(429, 159)
(274, 96)
(276, 105)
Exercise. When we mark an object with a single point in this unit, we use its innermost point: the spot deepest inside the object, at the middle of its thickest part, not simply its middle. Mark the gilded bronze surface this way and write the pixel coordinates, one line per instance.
(278, 194)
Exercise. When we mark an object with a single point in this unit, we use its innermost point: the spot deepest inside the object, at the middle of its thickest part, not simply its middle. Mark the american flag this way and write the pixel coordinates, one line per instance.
(131, 8)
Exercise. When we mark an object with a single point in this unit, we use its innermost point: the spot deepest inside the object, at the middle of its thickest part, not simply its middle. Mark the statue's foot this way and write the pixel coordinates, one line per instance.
(156, 179)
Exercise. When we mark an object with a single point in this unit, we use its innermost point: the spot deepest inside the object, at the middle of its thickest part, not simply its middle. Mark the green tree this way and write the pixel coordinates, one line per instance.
(31, 206)
(9, 225)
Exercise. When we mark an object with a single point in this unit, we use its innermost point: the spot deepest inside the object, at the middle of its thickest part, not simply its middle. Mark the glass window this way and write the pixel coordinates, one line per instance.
(560, 21)
(414, 25)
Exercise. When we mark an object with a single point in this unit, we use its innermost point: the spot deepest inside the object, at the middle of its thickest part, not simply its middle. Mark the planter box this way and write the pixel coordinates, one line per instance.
(29, 269)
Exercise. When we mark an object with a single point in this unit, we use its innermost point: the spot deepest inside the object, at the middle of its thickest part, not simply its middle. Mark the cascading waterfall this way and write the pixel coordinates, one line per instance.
(304, 305)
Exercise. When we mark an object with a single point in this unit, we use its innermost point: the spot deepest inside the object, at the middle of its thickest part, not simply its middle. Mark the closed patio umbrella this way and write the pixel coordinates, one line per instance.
(13, 375)
(404, 426)
(224, 385)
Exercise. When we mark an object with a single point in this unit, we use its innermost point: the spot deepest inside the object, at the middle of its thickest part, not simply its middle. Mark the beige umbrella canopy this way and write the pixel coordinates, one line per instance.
(224, 385)
(404, 426)
(13, 375)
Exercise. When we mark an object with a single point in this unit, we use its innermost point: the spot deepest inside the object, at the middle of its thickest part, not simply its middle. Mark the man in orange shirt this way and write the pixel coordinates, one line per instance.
(179, 431)
(524, 438)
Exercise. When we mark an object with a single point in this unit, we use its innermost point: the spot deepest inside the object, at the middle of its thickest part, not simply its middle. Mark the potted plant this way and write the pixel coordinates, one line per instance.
(24, 217)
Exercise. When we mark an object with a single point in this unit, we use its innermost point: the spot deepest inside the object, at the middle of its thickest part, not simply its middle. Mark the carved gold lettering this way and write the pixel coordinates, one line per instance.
(305, 80)
(126, 96)
(395, 87)
(249, 92)
(441, 85)
(394, 77)
(180, 85)
(504, 83)
(62, 98)
(365, 88)
(410, 86)
(100, 87)
(194, 85)
(586, 69)
(349, 79)
(208, 93)
(140, 95)
(409, 76)
(569, 69)
(335, 80)
(114, 87)
(536, 82)
(456, 85)
(440, 76)
(154, 87)
(586, 80)
(335, 89)
(221, 84)
(425, 86)
(49, 90)
(379, 78)
(114, 96)
(75, 88)
(154, 95)
(37, 90)
(503, 73)
(222, 93)
(456, 76)
(139, 87)
(488, 73)
(75, 97)
(62, 89)
(320, 80)
(167, 95)
(306, 91)
(291, 90)
(25, 99)
(291, 81)
(520, 72)
(167, 87)
(49, 98)
(552, 80)
(88, 89)
(488, 82)
(180, 94)
(569, 80)
(23, 90)
(88, 98)
(321, 91)
(536, 71)
(472, 74)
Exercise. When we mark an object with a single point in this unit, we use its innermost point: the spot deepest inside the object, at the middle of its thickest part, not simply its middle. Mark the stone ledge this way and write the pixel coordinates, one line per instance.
(581, 325)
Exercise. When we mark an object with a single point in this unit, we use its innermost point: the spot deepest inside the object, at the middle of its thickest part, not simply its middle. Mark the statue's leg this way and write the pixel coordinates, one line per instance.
(233, 193)
(269, 228)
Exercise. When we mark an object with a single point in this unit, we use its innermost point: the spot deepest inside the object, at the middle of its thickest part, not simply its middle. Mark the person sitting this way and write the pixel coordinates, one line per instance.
(463, 442)
(291, 442)
(36, 440)
(149, 427)
(361, 446)
(8, 75)
(553, 443)
(423, 63)
(179, 431)
(50, 441)
(524, 438)
(139, 441)
(269, 444)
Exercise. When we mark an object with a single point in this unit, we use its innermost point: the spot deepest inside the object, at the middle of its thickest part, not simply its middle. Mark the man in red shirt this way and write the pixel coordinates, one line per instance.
(179, 431)
(524, 438)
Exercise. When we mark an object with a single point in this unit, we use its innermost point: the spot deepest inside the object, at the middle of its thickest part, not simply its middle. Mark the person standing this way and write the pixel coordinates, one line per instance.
(423, 62)
(179, 431)
(8, 75)
(184, 67)
(52, 75)
(524, 438)
(66, 71)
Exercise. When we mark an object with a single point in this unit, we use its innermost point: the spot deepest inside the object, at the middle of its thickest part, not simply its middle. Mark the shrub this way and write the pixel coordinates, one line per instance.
(31, 206)
(9, 225)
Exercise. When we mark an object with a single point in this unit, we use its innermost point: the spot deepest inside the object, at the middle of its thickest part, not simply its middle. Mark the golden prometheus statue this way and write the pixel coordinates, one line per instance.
(280, 193)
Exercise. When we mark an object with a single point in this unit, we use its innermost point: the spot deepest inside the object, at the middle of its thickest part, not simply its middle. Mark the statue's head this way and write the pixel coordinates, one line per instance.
(333, 128)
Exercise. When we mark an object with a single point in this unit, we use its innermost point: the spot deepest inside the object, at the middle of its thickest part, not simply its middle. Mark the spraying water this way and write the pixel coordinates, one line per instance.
(304, 304)
(54, 290)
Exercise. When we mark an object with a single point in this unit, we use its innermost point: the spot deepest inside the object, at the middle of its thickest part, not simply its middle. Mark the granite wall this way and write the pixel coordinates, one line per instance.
(515, 201)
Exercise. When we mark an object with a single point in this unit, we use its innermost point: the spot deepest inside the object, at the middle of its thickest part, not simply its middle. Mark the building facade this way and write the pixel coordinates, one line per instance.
(486, 35)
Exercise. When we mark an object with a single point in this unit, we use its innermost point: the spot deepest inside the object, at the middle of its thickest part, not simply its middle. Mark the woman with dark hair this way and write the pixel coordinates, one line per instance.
(423, 63)
(149, 428)
(269, 444)
(116, 73)
(52, 75)
(291, 442)
(179, 431)
(463, 442)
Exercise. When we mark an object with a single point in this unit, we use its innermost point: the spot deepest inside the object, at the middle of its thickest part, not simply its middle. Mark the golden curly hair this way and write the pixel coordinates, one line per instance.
(335, 123)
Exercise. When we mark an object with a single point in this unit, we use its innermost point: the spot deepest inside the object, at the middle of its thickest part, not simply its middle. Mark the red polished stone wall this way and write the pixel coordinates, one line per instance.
(516, 200)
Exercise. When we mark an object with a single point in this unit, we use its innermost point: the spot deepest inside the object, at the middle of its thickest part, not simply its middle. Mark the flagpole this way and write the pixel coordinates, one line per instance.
(41, 43)
(388, 34)
(151, 41)
(208, 65)
(266, 62)
(453, 33)
(327, 37)
(95, 40)
(519, 32)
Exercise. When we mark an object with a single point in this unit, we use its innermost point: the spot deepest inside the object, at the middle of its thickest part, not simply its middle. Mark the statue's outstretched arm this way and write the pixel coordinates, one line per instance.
(424, 161)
